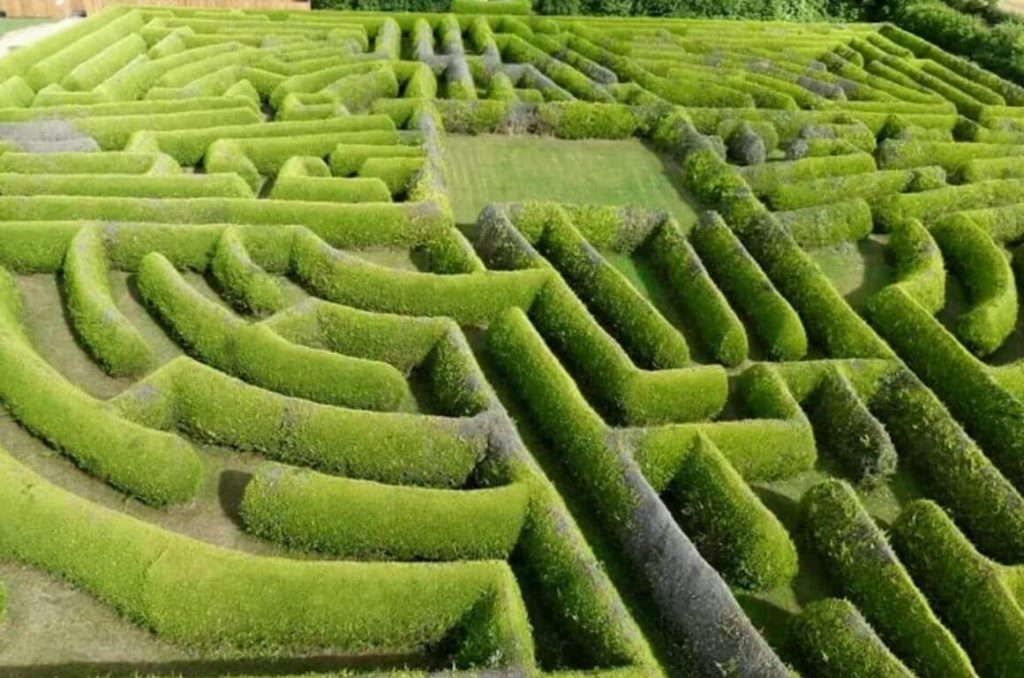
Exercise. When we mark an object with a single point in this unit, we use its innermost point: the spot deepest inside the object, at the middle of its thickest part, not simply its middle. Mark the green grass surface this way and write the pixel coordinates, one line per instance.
(7, 25)
(500, 168)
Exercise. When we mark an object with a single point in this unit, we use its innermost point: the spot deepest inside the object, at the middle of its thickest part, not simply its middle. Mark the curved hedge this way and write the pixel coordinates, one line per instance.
(258, 355)
(848, 431)
(217, 408)
(156, 467)
(362, 519)
(103, 328)
(985, 272)
(247, 286)
(202, 595)
(469, 298)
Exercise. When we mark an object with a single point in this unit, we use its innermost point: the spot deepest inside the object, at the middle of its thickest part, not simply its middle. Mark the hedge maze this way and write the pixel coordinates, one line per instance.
(267, 401)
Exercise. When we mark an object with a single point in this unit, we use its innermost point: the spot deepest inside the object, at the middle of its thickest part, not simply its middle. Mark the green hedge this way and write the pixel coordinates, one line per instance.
(629, 395)
(155, 467)
(728, 522)
(721, 332)
(257, 355)
(188, 144)
(833, 638)
(90, 73)
(918, 265)
(983, 269)
(79, 49)
(645, 334)
(873, 188)
(343, 225)
(104, 330)
(991, 415)
(470, 298)
(401, 341)
(863, 566)
(134, 186)
(967, 589)
(220, 409)
(247, 286)
(360, 519)
(950, 155)
(776, 324)
(827, 225)
(203, 596)
(768, 177)
(952, 467)
(849, 432)
(113, 162)
(321, 189)
(931, 204)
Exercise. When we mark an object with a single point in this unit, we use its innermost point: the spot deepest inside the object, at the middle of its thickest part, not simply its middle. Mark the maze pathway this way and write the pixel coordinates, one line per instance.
(274, 409)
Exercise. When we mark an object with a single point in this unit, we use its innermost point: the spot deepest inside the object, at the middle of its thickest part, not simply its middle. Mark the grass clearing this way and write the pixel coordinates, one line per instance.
(501, 168)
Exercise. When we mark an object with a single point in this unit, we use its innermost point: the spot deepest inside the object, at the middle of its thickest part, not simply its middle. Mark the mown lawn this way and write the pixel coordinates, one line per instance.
(7, 25)
(500, 168)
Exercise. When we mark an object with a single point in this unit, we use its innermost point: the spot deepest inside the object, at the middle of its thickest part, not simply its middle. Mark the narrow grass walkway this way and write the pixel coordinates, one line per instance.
(7, 25)
(492, 167)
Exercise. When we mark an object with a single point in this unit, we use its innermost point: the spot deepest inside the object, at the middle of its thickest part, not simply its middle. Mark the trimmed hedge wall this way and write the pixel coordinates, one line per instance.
(729, 524)
(862, 564)
(776, 324)
(157, 468)
(214, 407)
(104, 330)
(361, 519)
(204, 596)
(966, 588)
(848, 431)
(257, 355)
(833, 638)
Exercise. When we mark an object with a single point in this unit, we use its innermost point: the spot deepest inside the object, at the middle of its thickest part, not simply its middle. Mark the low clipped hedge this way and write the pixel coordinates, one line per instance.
(833, 638)
(930, 204)
(205, 596)
(630, 395)
(360, 519)
(241, 280)
(729, 524)
(863, 566)
(917, 261)
(342, 225)
(776, 324)
(257, 355)
(104, 330)
(872, 187)
(721, 332)
(156, 467)
(768, 177)
(966, 588)
(827, 225)
(642, 331)
(976, 260)
(848, 430)
(217, 408)
(991, 415)
(469, 298)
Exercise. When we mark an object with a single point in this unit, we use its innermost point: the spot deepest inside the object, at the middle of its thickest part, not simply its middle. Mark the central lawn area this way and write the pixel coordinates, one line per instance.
(7, 25)
(502, 168)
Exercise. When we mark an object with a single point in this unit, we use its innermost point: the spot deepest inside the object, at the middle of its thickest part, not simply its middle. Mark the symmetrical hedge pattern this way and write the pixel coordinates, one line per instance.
(491, 446)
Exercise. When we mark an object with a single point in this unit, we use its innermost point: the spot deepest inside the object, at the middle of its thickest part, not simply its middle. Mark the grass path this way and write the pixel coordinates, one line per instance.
(491, 167)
